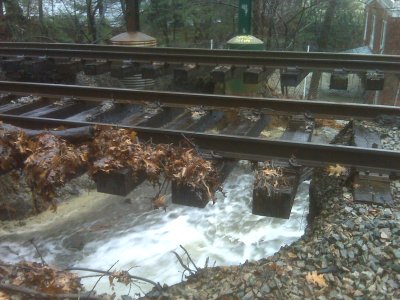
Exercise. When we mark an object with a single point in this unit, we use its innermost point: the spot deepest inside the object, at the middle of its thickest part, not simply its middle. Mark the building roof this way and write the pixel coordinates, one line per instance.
(391, 6)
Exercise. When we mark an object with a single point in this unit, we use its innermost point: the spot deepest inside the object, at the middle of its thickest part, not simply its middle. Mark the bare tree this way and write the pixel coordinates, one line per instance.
(41, 20)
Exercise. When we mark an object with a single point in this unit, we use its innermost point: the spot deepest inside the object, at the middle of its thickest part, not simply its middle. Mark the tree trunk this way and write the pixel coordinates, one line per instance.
(322, 46)
(14, 20)
(90, 14)
(41, 18)
(257, 15)
(28, 9)
(13, 9)
(101, 23)
(40, 5)
(123, 7)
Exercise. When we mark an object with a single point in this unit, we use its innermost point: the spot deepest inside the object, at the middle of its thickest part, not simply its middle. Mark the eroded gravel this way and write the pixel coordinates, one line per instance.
(353, 248)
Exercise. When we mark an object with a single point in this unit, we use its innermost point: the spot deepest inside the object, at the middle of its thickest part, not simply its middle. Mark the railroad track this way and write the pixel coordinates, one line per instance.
(268, 59)
(164, 125)
(221, 128)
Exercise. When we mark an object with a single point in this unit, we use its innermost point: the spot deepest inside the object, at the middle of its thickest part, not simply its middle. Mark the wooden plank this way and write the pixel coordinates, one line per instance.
(118, 182)
(253, 75)
(298, 130)
(86, 115)
(97, 68)
(293, 76)
(11, 64)
(62, 110)
(185, 195)
(274, 201)
(127, 69)
(222, 73)
(374, 81)
(7, 98)
(17, 108)
(154, 70)
(158, 119)
(278, 202)
(117, 113)
(339, 80)
(193, 78)
(372, 188)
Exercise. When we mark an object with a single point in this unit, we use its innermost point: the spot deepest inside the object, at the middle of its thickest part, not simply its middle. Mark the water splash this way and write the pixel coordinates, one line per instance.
(226, 233)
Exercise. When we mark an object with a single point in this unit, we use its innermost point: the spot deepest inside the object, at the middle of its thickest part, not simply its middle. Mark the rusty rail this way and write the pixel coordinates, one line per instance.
(317, 108)
(248, 148)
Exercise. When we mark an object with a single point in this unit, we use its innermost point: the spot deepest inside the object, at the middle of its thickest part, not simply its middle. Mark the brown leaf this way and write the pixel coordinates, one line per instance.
(336, 170)
(159, 202)
(314, 278)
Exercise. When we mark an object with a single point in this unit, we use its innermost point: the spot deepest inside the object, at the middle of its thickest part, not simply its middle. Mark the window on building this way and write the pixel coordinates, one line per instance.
(372, 37)
(383, 37)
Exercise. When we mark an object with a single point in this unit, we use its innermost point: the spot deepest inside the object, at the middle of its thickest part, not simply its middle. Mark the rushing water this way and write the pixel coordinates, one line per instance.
(100, 230)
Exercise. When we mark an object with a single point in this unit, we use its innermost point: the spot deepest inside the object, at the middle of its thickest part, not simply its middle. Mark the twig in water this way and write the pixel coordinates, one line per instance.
(157, 285)
(190, 258)
(101, 278)
(38, 252)
(191, 272)
(206, 263)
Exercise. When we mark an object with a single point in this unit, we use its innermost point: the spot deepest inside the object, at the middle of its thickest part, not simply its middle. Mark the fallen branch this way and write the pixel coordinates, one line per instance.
(101, 276)
(157, 285)
(32, 241)
(191, 272)
(189, 257)
(41, 295)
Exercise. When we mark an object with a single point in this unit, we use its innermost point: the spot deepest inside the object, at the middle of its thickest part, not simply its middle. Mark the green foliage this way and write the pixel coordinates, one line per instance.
(189, 23)
(283, 25)
(345, 32)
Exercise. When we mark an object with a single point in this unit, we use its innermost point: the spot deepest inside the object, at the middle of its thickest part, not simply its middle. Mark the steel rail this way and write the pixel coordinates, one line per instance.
(207, 52)
(317, 108)
(213, 59)
(247, 147)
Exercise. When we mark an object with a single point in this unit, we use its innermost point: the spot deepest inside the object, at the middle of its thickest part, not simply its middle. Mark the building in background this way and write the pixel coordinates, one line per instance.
(382, 36)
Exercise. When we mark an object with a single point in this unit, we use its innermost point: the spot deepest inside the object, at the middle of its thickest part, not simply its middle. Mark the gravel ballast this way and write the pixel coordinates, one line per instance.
(349, 251)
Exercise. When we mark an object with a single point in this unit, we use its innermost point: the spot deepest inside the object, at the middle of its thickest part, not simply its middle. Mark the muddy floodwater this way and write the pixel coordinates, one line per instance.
(97, 231)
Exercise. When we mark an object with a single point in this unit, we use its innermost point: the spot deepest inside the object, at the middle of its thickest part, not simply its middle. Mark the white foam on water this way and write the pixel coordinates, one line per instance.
(226, 233)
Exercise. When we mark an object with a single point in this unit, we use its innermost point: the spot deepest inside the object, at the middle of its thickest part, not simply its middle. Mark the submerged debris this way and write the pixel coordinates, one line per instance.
(271, 177)
(114, 149)
(186, 167)
(30, 278)
(48, 162)
(50, 166)
(14, 147)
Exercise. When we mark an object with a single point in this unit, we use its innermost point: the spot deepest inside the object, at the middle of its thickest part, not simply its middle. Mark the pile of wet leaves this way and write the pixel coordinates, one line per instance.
(52, 163)
(30, 280)
(48, 161)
